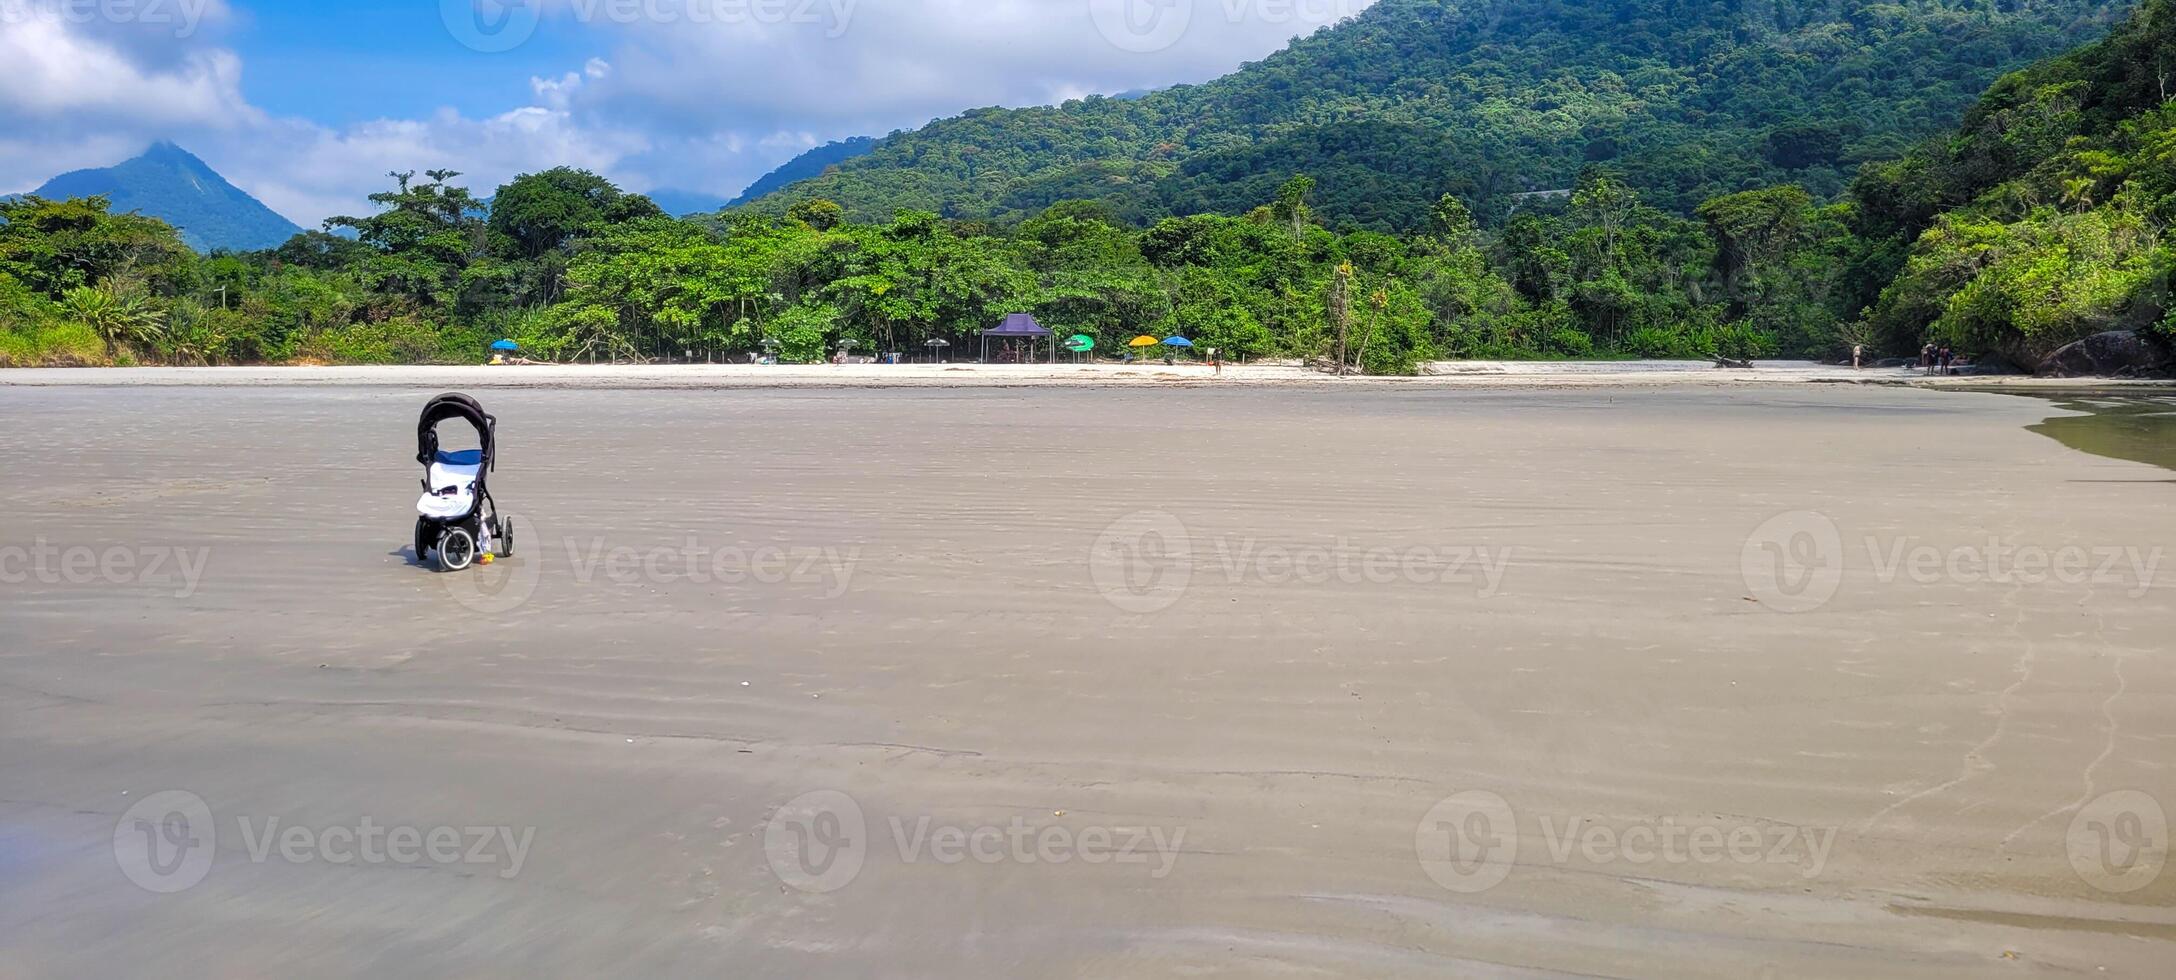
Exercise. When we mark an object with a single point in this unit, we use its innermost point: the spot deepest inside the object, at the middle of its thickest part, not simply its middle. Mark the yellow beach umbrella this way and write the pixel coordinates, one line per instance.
(1144, 341)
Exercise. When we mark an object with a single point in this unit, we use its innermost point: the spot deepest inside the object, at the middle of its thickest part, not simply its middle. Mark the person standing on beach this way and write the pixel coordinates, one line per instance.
(1858, 356)
(1216, 360)
(1926, 359)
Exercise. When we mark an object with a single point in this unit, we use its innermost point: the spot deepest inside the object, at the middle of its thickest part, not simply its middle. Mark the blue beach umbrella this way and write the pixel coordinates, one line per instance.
(506, 345)
(1177, 342)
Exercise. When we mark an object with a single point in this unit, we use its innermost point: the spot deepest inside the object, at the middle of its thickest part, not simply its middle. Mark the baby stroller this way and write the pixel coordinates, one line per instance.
(457, 519)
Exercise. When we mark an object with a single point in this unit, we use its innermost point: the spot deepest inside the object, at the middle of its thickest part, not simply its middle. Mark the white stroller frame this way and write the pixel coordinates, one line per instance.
(456, 518)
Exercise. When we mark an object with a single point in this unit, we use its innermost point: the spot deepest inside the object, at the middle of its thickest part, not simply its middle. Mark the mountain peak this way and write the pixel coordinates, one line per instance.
(170, 154)
(175, 186)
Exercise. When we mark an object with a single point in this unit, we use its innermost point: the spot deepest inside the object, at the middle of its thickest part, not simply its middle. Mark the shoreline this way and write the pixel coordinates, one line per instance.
(1447, 374)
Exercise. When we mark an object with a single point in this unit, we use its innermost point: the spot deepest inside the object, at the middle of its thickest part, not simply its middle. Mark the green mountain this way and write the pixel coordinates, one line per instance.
(169, 183)
(2047, 216)
(1415, 98)
(807, 165)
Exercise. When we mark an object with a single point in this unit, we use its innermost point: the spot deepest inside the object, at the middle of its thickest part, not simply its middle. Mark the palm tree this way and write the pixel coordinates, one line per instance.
(117, 313)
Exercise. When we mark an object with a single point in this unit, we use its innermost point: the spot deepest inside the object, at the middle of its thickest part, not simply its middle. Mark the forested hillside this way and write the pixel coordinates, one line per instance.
(2047, 217)
(1484, 99)
(2044, 218)
(810, 164)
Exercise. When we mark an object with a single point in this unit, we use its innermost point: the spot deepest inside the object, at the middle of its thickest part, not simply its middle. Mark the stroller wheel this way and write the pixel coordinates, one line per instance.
(424, 540)
(456, 549)
(506, 537)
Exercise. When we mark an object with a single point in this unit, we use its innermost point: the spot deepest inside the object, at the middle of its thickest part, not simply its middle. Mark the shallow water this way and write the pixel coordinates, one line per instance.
(2140, 428)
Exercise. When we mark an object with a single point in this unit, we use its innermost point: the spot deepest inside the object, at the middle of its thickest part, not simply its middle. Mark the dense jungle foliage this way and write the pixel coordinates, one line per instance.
(1488, 99)
(2043, 218)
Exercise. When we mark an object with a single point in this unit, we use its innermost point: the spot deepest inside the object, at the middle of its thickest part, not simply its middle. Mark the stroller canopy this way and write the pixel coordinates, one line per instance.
(456, 406)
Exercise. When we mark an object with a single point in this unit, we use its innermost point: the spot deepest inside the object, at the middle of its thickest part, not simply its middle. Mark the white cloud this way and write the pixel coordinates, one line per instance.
(692, 94)
(856, 66)
(59, 71)
(309, 172)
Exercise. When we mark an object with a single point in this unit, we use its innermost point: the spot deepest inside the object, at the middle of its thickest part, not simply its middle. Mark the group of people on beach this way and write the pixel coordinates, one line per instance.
(1932, 359)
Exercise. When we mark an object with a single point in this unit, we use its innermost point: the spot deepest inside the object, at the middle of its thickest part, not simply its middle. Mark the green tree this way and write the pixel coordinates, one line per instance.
(1609, 205)
(1291, 207)
(52, 246)
(818, 213)
(539, 213)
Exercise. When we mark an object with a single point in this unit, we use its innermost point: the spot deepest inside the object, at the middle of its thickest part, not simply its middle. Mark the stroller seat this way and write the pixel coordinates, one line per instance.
(452, 493)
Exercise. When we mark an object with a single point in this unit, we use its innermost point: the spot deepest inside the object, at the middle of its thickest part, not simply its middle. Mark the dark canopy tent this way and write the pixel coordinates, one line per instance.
(1020, 326)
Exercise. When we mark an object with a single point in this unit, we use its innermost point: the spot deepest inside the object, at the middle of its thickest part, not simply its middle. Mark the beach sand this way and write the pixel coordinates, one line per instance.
(1243, 666)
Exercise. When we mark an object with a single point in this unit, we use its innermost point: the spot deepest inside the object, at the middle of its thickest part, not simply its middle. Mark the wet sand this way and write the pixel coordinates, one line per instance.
(1260, 653)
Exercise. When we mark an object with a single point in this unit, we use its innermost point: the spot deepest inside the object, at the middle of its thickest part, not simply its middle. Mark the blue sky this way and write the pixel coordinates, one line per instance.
(308, 103)
(347, 61)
